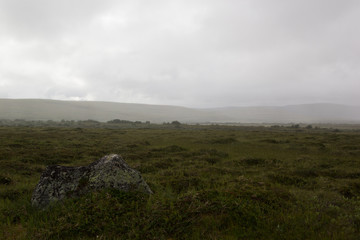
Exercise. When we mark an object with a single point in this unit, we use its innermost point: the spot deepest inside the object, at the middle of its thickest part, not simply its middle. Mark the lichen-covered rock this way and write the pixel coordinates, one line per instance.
(59, 182)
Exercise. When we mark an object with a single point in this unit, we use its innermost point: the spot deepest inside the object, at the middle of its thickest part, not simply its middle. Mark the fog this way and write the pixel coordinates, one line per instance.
(187, 53)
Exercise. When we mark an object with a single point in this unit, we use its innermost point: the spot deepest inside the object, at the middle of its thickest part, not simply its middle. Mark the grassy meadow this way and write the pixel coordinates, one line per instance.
(209, 182)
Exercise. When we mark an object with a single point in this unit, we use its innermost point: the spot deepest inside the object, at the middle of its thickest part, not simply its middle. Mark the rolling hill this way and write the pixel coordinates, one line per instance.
(41, 109)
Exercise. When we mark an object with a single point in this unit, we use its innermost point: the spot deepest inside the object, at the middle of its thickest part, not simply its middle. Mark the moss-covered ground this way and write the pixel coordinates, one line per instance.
(209, 182)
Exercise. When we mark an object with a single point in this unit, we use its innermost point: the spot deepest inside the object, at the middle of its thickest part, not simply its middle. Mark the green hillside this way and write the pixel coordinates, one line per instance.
(41, 109)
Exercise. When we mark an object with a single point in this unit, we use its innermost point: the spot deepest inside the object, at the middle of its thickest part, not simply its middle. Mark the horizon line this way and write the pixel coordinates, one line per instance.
(170, 105)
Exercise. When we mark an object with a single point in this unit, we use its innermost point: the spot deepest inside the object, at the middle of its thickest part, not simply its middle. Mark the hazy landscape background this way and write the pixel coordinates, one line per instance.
(36, 109)
(243, 117)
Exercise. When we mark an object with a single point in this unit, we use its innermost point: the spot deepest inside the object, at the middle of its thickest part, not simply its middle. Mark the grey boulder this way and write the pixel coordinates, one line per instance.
(60, 182)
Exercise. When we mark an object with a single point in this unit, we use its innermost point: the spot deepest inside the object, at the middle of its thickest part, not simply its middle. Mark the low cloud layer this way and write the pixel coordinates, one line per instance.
(201, 53)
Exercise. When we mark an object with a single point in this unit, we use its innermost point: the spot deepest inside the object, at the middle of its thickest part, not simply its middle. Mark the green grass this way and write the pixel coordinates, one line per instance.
(209, 182)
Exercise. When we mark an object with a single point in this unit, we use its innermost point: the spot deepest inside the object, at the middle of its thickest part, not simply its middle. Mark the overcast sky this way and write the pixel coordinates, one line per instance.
(195, 53)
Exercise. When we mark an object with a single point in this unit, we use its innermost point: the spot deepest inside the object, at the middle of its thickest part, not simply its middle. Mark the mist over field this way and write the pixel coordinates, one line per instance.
(30, 109)
(173, 119)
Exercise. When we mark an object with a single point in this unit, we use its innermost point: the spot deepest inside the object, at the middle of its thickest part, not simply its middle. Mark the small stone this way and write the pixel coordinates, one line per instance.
(60, 182)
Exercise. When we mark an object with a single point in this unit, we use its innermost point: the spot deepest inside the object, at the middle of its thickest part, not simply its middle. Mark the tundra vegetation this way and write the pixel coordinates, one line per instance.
(209, 182)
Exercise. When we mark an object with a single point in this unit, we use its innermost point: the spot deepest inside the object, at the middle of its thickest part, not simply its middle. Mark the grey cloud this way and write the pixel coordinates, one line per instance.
(47, 19)
(199, 53)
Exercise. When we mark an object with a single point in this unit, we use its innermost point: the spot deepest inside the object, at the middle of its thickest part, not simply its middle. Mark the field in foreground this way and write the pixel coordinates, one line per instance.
(209, 183)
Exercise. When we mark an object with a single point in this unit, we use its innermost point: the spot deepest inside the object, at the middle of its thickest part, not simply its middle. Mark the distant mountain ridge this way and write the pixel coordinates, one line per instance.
(42, 109)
